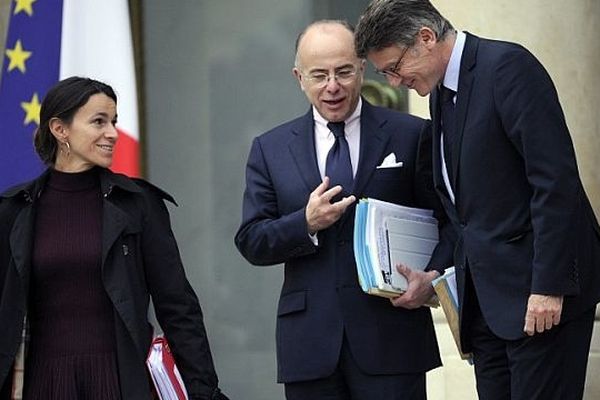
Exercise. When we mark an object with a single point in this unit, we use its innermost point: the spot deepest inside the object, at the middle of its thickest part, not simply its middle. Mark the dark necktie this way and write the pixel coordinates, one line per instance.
(339, 167)
(448, 126)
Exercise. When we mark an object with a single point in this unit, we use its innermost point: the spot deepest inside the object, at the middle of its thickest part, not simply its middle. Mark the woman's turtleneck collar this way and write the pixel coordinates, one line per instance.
(74, 181)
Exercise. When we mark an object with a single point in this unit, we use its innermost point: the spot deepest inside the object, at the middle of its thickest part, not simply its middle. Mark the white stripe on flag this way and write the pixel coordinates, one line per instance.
(97, 43)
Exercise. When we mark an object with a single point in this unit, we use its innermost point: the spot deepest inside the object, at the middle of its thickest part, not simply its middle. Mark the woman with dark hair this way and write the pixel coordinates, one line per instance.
(82, 250)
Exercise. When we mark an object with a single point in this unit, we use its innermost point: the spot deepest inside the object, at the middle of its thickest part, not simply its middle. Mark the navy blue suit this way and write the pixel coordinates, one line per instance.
(523, 220)
(321, 300)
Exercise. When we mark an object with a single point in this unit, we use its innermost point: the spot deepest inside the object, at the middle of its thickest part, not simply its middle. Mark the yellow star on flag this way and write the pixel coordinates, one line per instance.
(24, 5)
(17, 57)
(32, 110)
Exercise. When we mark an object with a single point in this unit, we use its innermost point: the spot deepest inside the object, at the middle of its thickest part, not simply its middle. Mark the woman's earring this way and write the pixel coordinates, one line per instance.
(67, 152)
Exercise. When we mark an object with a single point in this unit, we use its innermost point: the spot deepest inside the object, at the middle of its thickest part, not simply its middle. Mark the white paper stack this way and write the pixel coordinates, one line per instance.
(387, 234)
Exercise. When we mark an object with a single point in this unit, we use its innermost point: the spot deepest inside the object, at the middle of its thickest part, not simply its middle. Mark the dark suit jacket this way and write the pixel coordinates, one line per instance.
(524, 222)
(320, 298)
(139, 259)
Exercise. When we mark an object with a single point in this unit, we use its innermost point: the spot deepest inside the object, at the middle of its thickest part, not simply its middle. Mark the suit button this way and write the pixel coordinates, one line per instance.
(463, 224)
(342, 243)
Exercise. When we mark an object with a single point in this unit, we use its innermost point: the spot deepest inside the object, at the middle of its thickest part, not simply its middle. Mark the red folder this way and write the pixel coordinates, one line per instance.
(164, 372)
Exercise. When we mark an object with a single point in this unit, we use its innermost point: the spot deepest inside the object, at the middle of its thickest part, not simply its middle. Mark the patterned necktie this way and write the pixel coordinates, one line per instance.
(448, 126)
(338, 167)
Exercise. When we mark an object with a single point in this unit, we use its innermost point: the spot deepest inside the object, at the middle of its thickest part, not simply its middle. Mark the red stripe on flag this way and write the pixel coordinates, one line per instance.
(126, 159)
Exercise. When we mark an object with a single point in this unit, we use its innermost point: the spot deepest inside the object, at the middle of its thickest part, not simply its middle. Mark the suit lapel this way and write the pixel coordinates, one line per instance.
(114, 222)
(302, 147)
(465, 85)
(373, 141)
(435, 112)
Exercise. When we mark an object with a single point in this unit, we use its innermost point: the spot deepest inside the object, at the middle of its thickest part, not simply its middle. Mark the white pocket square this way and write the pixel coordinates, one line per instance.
(390, 162)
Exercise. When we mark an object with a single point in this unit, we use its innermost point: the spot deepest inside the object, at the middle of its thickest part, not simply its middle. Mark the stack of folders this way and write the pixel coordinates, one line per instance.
(445, 289)
(164, 372)
(387, 234)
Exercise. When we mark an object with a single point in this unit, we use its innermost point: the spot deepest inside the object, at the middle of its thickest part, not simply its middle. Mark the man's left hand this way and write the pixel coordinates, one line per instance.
(419, 289)
(543, 312)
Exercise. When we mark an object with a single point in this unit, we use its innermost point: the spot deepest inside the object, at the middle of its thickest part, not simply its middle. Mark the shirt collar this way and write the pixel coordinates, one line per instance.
(319, 120)
(453, 68)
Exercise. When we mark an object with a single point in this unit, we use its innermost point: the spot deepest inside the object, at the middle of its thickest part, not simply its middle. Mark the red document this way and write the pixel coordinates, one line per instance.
(164, 373)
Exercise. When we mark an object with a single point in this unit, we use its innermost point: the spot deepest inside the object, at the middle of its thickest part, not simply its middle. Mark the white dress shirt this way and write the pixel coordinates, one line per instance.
(324, 138)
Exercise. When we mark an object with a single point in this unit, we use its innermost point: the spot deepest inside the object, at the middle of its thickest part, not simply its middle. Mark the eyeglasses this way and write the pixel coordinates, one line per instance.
(320, 79)
(392, 72)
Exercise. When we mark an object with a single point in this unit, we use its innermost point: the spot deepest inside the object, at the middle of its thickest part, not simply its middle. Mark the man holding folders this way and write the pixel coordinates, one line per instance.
(528, 251)
(302, 180)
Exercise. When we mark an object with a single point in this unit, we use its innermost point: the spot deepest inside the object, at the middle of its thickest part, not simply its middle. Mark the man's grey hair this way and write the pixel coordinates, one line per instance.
(397, 22)
(341, 22)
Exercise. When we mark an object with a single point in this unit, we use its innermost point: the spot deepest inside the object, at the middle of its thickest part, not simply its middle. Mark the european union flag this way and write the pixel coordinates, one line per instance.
(30, 69)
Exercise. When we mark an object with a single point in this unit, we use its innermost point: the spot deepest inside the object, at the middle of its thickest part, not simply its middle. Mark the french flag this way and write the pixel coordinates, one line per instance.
(51, 40)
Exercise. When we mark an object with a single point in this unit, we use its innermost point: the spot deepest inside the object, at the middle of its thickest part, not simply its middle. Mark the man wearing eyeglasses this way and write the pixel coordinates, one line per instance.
(528, 250)
(334, 341)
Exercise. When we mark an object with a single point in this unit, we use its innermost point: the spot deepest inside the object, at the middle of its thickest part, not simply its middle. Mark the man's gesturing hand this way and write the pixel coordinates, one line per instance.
(320, 213)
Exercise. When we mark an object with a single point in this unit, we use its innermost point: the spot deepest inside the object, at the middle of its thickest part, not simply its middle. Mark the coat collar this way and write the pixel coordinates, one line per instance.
(108, 181)
(28, 190)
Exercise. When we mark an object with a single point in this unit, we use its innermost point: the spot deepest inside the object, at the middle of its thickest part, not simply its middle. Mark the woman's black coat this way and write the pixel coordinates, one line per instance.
(140, 259)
